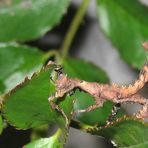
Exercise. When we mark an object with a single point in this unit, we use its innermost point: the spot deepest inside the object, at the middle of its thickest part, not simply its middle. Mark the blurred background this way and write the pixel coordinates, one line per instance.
(90, 44)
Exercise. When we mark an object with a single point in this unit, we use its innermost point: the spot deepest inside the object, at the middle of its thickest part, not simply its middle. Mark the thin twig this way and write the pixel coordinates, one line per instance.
(74, 27)
(51, 53)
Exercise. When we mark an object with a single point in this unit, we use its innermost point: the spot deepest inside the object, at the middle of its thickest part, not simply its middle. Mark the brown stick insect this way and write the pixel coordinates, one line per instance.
(102, 92)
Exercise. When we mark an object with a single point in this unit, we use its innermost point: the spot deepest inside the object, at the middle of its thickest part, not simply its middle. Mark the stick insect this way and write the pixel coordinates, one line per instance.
(102, 92)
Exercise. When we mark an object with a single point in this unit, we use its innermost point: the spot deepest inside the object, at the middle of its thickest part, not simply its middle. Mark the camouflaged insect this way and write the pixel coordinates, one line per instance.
(102, 92)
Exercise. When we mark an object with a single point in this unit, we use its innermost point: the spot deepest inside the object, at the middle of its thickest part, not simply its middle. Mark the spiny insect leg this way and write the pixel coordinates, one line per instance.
(114, 112)
(143, 112)
(92, 107)
(57, 107)
(88, 109)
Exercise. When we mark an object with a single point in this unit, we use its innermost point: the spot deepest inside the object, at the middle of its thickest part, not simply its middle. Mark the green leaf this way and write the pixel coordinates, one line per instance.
(81, 69)
(98, 116)
(125, 23)
(126, 132)
(27, 105)
(29, 19)
(52, 142)
(45, 143)
(84, 70)
(16, 62)
(1, 124)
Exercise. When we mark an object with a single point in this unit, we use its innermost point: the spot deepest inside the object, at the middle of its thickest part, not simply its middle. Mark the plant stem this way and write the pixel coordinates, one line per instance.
(74, 27)
(51, 53)
(79, 125)
(58, 133)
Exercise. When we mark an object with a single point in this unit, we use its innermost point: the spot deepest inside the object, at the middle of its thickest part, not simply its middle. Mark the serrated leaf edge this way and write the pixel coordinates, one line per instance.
(119, 120)
(23, 83)
(126, 118)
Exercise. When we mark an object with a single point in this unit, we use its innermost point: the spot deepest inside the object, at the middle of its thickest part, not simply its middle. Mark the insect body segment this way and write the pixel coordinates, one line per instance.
(102, 92)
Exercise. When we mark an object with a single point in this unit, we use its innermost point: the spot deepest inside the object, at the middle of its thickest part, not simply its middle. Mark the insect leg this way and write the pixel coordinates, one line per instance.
(114, 112)
(143, 112)
(92, 107)
(57, 107)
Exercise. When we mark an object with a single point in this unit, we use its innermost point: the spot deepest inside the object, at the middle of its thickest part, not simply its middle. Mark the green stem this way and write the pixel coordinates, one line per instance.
(51, 53)
(58, 133)
(80, 126)
(74, 27)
